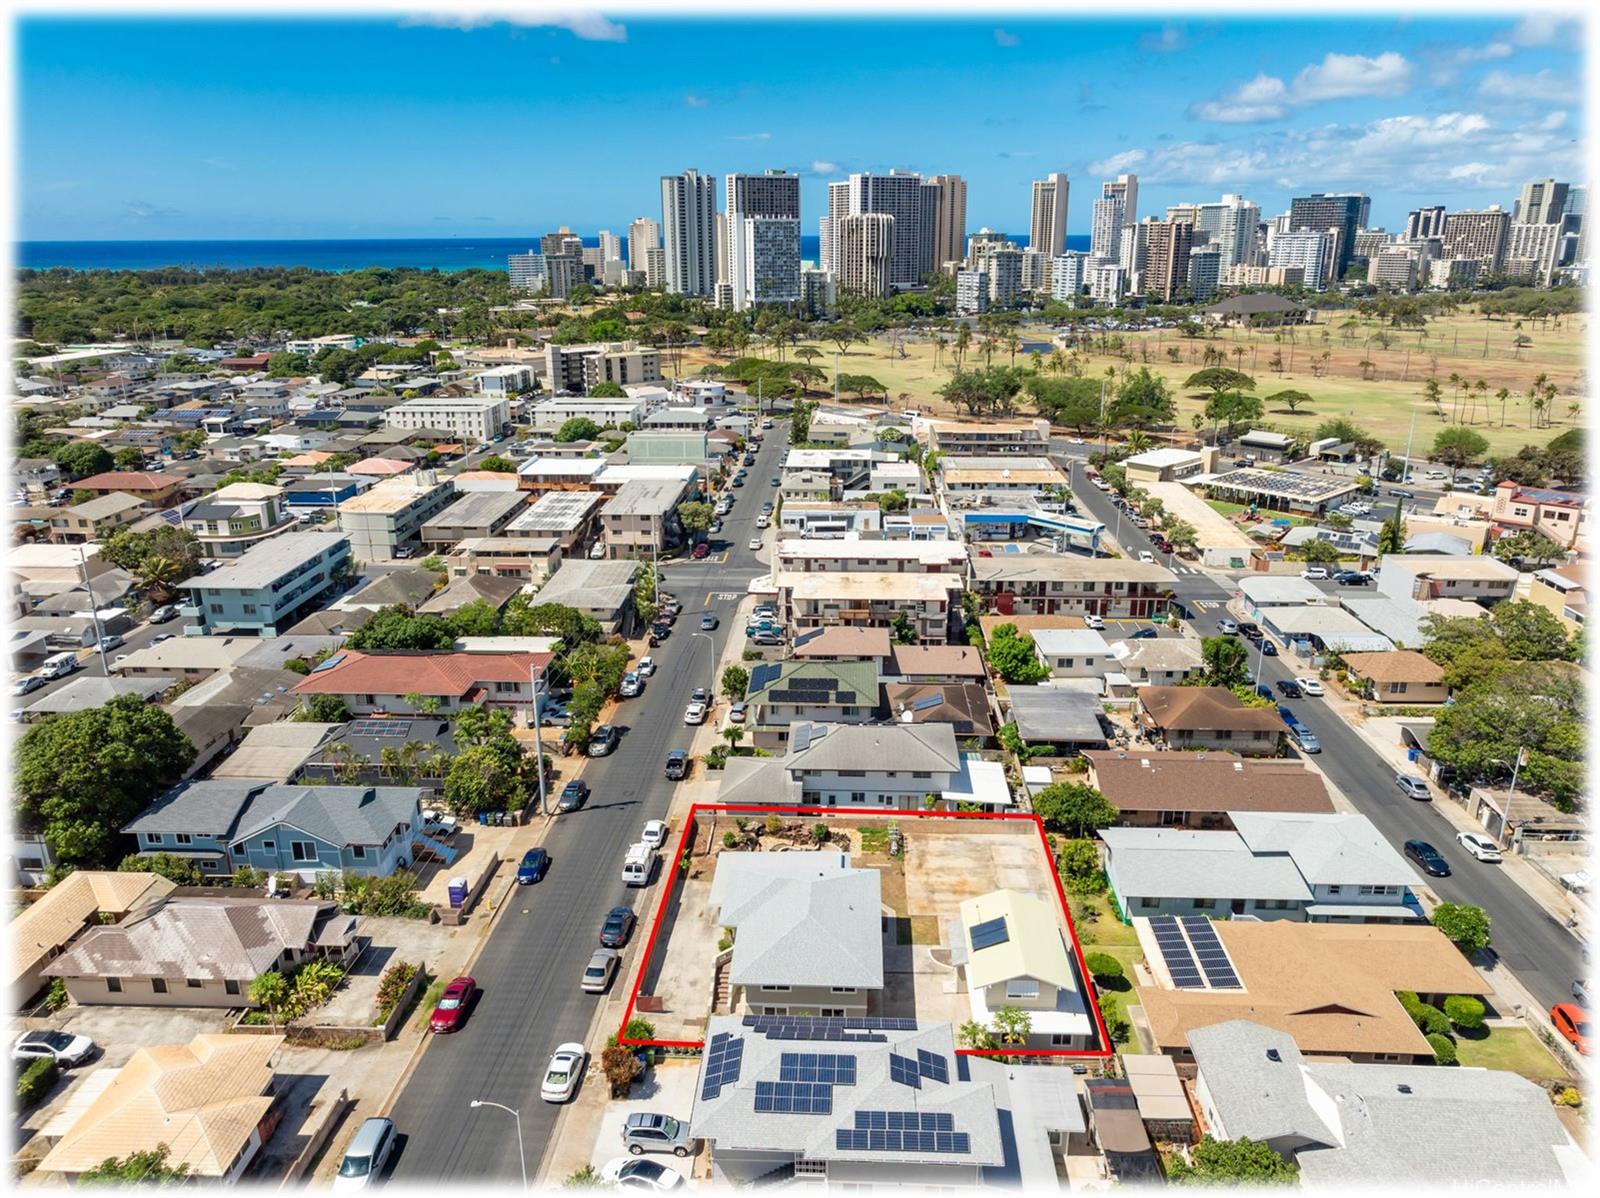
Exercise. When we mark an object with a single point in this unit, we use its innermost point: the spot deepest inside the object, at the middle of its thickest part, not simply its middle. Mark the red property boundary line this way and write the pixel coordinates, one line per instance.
(676, 874)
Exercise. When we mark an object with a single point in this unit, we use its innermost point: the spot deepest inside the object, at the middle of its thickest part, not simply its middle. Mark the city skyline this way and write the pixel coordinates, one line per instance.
(1416, 112)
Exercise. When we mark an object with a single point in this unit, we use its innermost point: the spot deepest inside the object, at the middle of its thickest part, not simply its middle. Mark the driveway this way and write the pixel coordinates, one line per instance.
(393, 939)
(120, 1031)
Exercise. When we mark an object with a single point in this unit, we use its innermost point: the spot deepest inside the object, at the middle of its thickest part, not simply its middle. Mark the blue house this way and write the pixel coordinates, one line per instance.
(269, 586)
(222, 824)
(323, 490)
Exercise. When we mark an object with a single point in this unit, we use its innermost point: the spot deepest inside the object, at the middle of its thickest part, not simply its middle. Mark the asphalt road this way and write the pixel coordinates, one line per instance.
(1543, 954)
(89, 665)
(530, 967)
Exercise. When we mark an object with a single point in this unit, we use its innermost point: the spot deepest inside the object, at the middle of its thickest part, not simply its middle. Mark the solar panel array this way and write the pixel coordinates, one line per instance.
(859, 1030)
(793, 1098)
(990, 933)
(933, 1066)
(724, 1058)
(904, 1070)
(1213, 957)
(903, 1131)
(385, 728)
(1175, 952)
(826, 1067)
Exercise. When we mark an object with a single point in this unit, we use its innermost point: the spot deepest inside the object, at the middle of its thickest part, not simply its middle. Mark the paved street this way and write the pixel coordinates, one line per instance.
(137, 638)
(530, 968)
(1539, 950)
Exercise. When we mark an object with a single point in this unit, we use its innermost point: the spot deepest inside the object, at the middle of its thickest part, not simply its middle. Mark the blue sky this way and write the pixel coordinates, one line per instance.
(419, 127)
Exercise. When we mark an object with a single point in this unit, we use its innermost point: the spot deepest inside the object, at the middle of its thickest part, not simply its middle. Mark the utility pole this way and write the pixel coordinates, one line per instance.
(94, 611)
(1405, 469)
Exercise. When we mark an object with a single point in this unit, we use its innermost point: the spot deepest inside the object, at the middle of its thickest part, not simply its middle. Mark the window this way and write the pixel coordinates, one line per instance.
(1335, 889)
(230, 987)
(269, 846)
(193, 983)
(833, 1012)
(1149, 902)
(1022, 988)
(183, 838)
(1059, 1040)
(151, 837)
(114, 985)
(776, 989)
(249, 609)
(1204, 904)
(359, 852)
(302, 850)
(158, 985)
(843, 989)
(858, 796)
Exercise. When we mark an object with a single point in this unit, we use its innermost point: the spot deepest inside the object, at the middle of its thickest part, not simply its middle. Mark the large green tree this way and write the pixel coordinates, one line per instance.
(1226, 661)
(607, 390)
(1013, 657)
(1073, 808)
(395, 627)
(147, 1167)
(1232, 1163)
(1459, 446)
(83, 775)
(579, 428)
(1537, 707)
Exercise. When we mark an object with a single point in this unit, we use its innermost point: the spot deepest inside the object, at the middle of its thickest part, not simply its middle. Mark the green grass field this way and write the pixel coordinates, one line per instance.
(1513, 1048)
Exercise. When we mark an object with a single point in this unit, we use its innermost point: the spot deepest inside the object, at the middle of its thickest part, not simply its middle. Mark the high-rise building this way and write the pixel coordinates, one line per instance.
(1131, 252)
(949, 219)
(719, 225)
(772, 202)
(1126, 189)
(562, 241)
(981, 244)
(819, 293)
(526, 271)
(1533, 251)
(1108, 282)
(1425, 222)
(972, 292)
(865, 244)
(1307, 249)
(1166, 248)
(563, 272)
(1035, 270)
(1068, 276)
(1341, 211)
(1105, 229)
(1543, 202)
(838, 208)
(1205, 271)
(1231, 226)
(1196, 215)
(1004, 268)
(610, 246)
(1398, 267)
(643, 234)
(1454, 274)
(689, 228)
(1048, 231)
(1371, 242)
(655, 268)
(1479, 234)
(914, 203)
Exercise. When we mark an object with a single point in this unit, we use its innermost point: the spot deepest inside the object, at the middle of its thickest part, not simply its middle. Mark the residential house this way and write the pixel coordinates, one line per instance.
(1349, 1126)
(238, 517)
(956, 437)
(807, 932)
(1323, 868)
(784, 693)
(221, 824)
(269, 586)
(392, 682)
(314, 492)
(641, 518)
(817, 521)
(843, 643)
(85, 898)
(471, 588)
(158, 490)
(191, 658)
(962, 705)
(1198, 790)
(1073, 653)
(387, 521)
(200, 952)
(212, 1103)
(1402, 676)
(935, 663)
(94, 519)
(1208, 717)
(601, 590)
(1065, 720)
(1563, 592)
(1158, 661)
(475, 514)
(869, 766)
(926, 602)
(1031, 584)
(1563, 516)
(1482, 580)
(1332, 988)
(1011, 949)
(569, 518)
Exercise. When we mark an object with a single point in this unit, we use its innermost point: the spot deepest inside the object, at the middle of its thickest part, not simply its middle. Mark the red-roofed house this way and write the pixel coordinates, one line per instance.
(381, 467)
(158, 490)
(382, 682)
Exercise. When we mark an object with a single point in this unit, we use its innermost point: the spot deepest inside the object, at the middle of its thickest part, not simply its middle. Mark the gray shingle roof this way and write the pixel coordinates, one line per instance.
(1339, 849)
(1179, 864)
(1256, 1097)
(1049, 715)
(921, 747)
(230, 809)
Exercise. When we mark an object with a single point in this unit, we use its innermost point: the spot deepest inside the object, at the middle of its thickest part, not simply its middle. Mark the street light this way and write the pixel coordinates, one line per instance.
(1516, 766)
(517, 1115)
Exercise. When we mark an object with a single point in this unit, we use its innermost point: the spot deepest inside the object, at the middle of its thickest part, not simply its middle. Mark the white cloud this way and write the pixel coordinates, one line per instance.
(821, 166)
(1264, 98)
(1118, 163)
(1343, 76)
(1170, 39)
(1553, 121)
(694, 101)
(750, 137)
(1002, 38)
(1540, 29)
(588, 26)
(1504, 85)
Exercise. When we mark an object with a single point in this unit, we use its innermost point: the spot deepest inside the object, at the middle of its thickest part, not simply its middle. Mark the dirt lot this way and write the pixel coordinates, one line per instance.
(944, 863)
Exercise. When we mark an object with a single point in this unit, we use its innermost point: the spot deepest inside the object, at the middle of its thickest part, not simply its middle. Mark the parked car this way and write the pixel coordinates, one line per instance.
(1311, 687)
(1580, 990)
(1095, 623)
(766, 638)
(708, 622)
(654, 834)
(565, 1071)
(1351, 578)
(1572, 1025)
(763, 521)
(618, 926)
(532, 866)
(1144, 634)
(597, 974)
(1479, 845)
(27, 684)
(369, 1151)
(597, 551)
(1412, 786)
(451, 1012)
(1250, 632)
(64, 1048)
(1268, 649)
(754, 544)
(775, 480)
(715, 526)
(631, 685)
(1227, 627)
(1314, 573)
(573, 795)
(1304, 739)
(602, 740)
(1264, 690)
(737, 712)
(163, 614)
(646, 1132)
(695, 713)
(1146, 556)
(1429, 858)
(677, 765)
(1289, 689)
(112, 640)
(700, 695)
(627, 1174)
(646, 667)
(701, 551)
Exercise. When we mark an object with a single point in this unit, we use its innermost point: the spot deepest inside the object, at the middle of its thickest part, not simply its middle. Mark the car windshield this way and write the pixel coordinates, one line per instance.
(642, 1169)
(449, 1003)
(670, 1126)
(1582, 1025)
(355, 1166)
(55, 1039)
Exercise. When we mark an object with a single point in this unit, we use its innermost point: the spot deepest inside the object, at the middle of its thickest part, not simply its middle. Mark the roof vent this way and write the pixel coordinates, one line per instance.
(1274, 1055)
(1144, 763)
(1403, 1088)
(1238, 767)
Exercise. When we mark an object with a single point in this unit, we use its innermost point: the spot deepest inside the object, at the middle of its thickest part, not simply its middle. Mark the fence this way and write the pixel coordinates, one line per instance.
(332, 1116)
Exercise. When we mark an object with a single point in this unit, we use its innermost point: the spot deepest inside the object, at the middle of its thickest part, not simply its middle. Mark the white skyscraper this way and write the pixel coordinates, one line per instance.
(1307, 249)
(689, 228)
(1105, 231)
(1068, 275)
(763, 212)
(1048, 231)
(610, 246)
(644, 234)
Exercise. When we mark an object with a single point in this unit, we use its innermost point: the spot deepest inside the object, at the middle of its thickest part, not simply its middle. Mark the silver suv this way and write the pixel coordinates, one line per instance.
(656, 1133)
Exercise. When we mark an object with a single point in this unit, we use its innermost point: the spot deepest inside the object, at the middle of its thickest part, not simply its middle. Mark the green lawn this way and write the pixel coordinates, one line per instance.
(1513, 1048)
(1104, 932)
(1230, 510)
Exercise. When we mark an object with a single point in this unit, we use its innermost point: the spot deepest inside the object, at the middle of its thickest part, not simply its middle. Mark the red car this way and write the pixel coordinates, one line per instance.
(701, 550)
(451, 1012)
(1572, 1025)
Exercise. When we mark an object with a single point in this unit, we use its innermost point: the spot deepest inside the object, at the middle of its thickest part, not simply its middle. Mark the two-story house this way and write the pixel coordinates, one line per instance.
(892, 767)
(94, 519)
(238, 517)
(784, 693)
(1208, 717)
(1563, 516)
(1482, 580)
(1031, 584)
(1011, 948)
(1073, 652)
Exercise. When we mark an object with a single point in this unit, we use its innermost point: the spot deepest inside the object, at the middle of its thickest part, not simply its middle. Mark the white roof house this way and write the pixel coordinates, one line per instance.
(1014, 952)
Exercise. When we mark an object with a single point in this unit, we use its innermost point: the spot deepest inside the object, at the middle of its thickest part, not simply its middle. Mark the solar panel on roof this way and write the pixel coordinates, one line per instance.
(904, 1070)
(794, 1098)
(926, 702)
(829, 1068)
(724, 1058)
(933, 1065)
(990, 933)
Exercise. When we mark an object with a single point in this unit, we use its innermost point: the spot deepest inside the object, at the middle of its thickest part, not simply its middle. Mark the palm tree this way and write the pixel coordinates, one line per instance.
(1058, 362)
(160, 576)
(1138, 441)
(1503, 395)
(734, 735)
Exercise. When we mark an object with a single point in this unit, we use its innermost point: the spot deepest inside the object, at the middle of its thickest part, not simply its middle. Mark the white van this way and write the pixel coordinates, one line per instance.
(638, 865)
(59, 665)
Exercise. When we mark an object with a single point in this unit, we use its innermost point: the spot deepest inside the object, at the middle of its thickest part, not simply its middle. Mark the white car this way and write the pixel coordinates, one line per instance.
(64, 1048)
(563, 1074)
(755, 544)
(1146, 556)
(695, 713)
(1095, 623)
(1314, 573)
(1479, 846)
(646, 666)
(1310, 686)
(655, 833)
(597, 551)
(630, 1173)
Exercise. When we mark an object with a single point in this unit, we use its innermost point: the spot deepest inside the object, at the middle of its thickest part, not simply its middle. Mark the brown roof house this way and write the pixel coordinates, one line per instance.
(1399, 676)
(843, 642)
(210, 1103)
(935, 663)
(1208, 717)
(1197, 790)
(200, 952)
(1330, 986)
(962, 705)
(78, 902)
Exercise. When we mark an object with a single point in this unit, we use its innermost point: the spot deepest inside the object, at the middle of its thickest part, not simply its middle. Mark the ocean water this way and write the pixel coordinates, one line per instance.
(452, 253)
